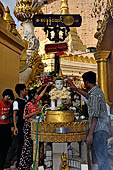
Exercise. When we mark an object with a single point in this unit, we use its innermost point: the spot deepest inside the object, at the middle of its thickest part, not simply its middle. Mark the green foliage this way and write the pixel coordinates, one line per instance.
(63, 107)
(52, 74)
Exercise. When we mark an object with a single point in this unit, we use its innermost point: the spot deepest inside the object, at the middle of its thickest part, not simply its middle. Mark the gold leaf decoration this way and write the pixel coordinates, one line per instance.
(37, 67)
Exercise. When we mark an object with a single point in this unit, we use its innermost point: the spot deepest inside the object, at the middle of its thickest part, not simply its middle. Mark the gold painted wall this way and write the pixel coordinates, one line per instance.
(11, 48)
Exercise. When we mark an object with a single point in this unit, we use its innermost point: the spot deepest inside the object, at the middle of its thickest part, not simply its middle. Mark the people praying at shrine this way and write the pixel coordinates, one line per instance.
(98, 119)
(5, 128)
(31, 110)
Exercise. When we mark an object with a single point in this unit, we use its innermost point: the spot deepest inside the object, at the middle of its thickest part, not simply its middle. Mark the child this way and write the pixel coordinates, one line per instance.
(31, 110)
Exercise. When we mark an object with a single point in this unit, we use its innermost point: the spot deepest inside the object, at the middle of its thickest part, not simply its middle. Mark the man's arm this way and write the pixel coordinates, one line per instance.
(77, 90)
(81, 92)
(14, 121)
(89, 138)
(15, 109)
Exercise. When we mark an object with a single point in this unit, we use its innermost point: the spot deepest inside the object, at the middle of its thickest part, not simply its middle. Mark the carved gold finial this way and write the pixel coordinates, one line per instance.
(64, 164)
(12, 26)
(25, 9)
(1, 10)
(60, 75)
(64, 7)
(7, 17)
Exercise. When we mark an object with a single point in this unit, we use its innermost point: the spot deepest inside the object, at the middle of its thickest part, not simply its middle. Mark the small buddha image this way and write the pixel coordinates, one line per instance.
(59, 84)
(64, 164)
(59, 95)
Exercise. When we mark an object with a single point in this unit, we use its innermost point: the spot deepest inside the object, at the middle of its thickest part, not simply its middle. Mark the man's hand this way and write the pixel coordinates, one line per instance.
(71, 85)
(89, 139)
(110, 134)
(15, 131)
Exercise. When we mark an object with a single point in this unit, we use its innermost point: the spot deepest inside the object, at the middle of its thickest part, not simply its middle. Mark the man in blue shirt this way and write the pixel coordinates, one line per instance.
(98, 119)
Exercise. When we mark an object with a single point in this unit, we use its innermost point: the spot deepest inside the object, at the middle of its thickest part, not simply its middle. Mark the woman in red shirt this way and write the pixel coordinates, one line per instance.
(5, 129)
(30, 112)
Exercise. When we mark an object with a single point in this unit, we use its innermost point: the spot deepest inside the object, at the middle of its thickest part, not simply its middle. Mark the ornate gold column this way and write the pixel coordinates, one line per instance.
(64, 7)
(101, 59)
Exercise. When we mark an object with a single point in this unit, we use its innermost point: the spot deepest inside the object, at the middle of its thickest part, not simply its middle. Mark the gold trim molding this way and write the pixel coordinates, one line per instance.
(75, 58)
(60, 138)
(101, 54)
(46, 131)
(2, 9)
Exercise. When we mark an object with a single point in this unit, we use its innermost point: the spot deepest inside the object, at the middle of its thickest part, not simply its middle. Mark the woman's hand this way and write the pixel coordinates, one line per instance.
(39, 110)
(48, 84)
(43, 85)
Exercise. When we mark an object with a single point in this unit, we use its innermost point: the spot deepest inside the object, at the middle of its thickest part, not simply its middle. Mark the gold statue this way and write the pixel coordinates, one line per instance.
(64, 165)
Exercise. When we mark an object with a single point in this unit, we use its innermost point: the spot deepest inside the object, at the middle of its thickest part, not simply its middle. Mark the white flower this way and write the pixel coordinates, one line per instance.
(63, 94)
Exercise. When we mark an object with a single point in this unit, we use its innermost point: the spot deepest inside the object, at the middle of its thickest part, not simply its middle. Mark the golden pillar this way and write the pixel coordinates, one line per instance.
(64, 7)
(101, 59)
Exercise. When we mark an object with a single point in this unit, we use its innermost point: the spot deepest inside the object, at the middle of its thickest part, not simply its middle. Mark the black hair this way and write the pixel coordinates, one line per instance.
(89, 76)
(59, 78)
(31, 93)
(8, 92)
(19, 87)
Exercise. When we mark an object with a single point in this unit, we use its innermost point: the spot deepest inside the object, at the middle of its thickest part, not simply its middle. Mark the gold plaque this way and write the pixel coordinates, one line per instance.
(68, 20)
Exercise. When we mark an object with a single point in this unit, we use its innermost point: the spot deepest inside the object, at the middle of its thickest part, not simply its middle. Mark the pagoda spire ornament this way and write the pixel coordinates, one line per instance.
(64, 7)
(25, 9)
(11, 24)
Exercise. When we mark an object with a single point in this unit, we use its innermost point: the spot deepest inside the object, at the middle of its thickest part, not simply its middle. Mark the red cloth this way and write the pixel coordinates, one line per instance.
(4, 110)
(59, 53)
(33, 107)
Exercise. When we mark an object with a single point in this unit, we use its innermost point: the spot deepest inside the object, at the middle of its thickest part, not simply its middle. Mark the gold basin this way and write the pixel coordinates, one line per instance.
(60, 116)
